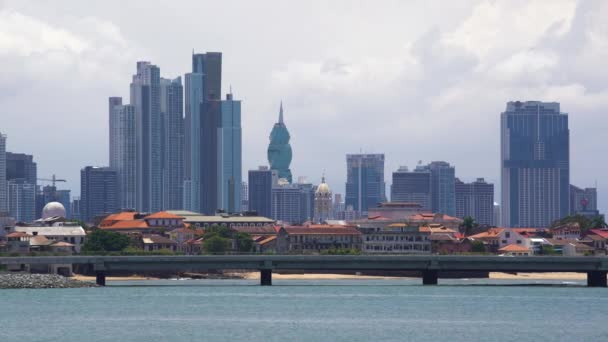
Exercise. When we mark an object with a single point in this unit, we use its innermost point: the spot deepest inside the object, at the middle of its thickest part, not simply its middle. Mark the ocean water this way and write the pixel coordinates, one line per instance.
(338, 310)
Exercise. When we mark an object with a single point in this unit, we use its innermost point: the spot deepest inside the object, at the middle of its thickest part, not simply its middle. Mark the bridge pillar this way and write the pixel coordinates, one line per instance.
(100, 278)
(597, 279)
(430, 277)
(265, 277)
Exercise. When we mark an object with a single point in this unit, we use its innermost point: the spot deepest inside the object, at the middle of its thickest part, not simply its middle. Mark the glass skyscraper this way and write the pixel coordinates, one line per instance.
(260, 190)
(172, 114)
(3, 188)
(535, 164)
(412, 187)
(98, 192)
(229, 144)
(279, 149)
(123, 152)
(365, 186)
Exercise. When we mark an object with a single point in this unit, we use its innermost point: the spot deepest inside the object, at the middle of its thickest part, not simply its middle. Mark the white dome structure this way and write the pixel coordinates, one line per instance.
(323, 188)
(53, 209)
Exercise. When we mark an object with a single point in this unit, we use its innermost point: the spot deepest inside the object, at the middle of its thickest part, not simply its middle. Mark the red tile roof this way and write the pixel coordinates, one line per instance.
(514, 248)
(136, 224)
(601, 232)
(322, 231)
(163, 215)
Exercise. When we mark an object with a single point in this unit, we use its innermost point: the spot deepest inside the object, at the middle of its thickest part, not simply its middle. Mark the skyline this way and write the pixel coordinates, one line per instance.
(322, 99)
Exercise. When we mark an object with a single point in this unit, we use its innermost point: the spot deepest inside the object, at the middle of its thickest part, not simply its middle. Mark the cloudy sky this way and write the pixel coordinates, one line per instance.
(416, 80)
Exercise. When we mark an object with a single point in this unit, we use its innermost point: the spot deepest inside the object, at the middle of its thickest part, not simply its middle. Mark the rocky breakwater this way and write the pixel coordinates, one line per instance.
(39, 281)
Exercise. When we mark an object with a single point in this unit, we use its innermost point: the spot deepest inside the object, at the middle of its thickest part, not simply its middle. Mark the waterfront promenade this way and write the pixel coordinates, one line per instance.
(429, 266)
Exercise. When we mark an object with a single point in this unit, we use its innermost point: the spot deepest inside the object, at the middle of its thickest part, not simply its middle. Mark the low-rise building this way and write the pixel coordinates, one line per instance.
(155, 242)
(567, 231)
(307, 240)
(228, 220)
(73, 234)
(396, 238)
(515, 250)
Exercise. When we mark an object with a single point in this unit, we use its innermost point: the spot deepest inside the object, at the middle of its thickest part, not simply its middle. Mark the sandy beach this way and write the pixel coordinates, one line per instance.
(548, 276)
(92, 278)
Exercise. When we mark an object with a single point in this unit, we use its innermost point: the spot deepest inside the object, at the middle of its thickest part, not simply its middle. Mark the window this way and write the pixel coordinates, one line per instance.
(507, 234)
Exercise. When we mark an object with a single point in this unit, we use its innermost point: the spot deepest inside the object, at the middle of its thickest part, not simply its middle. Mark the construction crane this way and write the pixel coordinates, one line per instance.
(52, 180)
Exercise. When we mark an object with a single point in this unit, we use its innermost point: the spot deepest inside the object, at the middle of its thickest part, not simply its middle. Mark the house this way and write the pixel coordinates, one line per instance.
(449, 244)
(71, 233)
(306, 240)
(155, 242)
(514, 250)
(130, 222)
(265, 244)
(490, 239)
(567, 231)
(396, 238)
(577, 249)
(599, 243)
(183, 235)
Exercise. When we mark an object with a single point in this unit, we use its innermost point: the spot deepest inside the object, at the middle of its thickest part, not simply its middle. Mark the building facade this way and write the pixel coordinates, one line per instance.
(476, 200)
(287, 203)
(279, 149)
(123, 152)
(145, 97)
(98, 192)
(230, 156)
(21, 200)
(412, 187)
(443, 197)
(172, 112)
(535, 164)
(583, 200)
(323, 202)
(260, 190)
(365, 186)
(3, 188)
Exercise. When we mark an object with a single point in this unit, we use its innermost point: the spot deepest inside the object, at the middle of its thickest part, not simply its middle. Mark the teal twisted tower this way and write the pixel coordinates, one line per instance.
(279, 150)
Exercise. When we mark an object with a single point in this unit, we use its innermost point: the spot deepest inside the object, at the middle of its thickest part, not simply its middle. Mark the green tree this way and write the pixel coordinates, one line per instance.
(105, 241)
(598, 222)
(216, 245)
(478, 247)
(468, 224)
(548, 250)
(244, 242)
(219, 230)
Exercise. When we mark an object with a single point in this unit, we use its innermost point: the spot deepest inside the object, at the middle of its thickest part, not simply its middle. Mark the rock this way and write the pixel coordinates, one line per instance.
(39, 281)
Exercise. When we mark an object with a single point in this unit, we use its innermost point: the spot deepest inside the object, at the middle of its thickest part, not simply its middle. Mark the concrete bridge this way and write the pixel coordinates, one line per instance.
(429, 265)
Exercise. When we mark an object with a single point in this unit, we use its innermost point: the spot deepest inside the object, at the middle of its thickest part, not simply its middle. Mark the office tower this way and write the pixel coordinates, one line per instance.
(21, 166)
(476, 200)
(123, 156)
(21, 200)
(202, 85)
(244, 197)
(260, 190)
(3, 188)
(65, 198)
(443, 198)
(497, 221)
(323, 203)
(287, 203)
(145, 97)
(412, 187)
(583, 201)
(365, 185)
(229, 162)
(535, 164)
(98, 192)
(172, 109)
(113, 141)
(307, 200)
(279, 149)
(75, 207)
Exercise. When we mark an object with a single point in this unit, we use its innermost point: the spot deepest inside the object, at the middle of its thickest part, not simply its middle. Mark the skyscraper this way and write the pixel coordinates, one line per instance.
(443, 199)
(244, 197)
(98, 192)
(113, 142)
(202, 85)
(21, 200)
(365, 185)
(476, 200)
(279, 149)
(535, 164)
(123, 157)
(230, 146)
(3, 189)
(20, 165)
(260, 190)
(172, 114)
(145, 97)
(583, 201)
(287, 203)
(412, 187)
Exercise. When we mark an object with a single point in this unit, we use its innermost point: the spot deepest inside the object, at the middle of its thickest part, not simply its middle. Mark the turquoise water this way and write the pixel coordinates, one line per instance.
(339, 310)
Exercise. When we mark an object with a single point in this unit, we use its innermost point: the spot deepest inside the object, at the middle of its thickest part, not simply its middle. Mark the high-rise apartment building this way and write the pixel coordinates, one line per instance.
(287, 203)
(3, 188)
(260, 190)
(21, 166)
(203, 84)
(98, 192)
(475, 200)
(583, 201)
(172, 117)
(412, 187)
(365, 186)
(279, 149)
(443, 177)
(535, 164)
(123, 153)
(230, 155)
(113, 141)
(145, 97)
(21, 200)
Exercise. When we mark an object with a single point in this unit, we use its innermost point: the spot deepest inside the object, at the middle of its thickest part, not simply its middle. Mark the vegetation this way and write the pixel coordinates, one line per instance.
(468, 224)
(548, 250)
(218, 239)
(583, 221)
(105, 241)
(478, 247)
(216, 245)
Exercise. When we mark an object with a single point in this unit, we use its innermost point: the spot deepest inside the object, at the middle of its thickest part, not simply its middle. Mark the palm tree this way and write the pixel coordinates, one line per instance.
(468, 223)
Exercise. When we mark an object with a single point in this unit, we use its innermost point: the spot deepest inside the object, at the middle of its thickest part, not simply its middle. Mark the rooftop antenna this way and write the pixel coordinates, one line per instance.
(281, 113)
